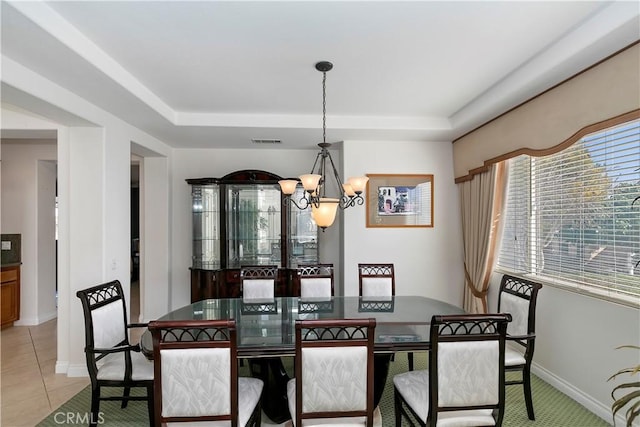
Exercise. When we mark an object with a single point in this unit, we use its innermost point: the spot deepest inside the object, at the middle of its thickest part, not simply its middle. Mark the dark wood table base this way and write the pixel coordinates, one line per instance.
(271, 370)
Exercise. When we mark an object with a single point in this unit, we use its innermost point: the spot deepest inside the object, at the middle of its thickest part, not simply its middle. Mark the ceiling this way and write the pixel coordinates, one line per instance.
(219, 73)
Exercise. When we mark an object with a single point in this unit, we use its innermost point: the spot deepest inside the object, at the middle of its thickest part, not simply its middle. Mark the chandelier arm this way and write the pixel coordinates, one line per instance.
(351, 201)
(304, 202)
(315, 163)
(335, 174)
(322, 169)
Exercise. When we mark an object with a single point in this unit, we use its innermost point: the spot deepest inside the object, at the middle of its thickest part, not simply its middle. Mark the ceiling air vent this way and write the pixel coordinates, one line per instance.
(266, 141)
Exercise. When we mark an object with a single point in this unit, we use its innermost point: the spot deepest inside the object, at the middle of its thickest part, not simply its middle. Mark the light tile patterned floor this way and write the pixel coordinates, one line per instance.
(30, 389)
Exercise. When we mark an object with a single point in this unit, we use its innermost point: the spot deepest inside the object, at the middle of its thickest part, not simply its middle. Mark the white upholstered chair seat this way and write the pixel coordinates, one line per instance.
(319, 422)
(249, 392)
(414, 388)
(513, 357)
(111, 367)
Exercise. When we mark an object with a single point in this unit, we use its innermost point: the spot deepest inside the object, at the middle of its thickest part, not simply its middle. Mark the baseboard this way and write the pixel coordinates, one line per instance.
(47, 317)
(28, 321)
(593, 405)
(62, 367)
(77, 370)
(34, 321)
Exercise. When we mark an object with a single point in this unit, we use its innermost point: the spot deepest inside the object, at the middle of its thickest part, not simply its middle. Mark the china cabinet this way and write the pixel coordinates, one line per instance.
(238, 220)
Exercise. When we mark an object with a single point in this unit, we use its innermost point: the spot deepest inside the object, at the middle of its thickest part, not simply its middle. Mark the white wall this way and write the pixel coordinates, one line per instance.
(155, 244)
(46, 237)
(26, 191)
(428, 261)
(87, 260)
(93, 176)
(576, 337)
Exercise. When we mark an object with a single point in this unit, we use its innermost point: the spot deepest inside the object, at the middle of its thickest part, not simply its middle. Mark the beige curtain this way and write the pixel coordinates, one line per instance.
(481, 201)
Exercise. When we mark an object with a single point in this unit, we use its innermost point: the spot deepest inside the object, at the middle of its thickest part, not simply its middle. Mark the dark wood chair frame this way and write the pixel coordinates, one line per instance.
(528, 290)
(456, 328)
(377, 270)
(258, 272)
(381, 270)
(335, 333)
(191, 334)
(313, 271)
(92, 299)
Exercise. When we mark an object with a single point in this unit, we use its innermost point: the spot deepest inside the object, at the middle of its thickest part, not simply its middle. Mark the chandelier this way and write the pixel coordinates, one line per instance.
(323, 208)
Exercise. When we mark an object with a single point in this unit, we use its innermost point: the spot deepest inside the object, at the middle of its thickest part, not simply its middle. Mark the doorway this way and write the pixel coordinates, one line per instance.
(134, 297)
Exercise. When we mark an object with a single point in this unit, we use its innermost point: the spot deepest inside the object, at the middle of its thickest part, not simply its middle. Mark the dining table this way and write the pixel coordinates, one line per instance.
(266, 332)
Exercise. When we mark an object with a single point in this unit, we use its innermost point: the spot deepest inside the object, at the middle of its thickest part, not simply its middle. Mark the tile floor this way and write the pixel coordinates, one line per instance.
(30, 389)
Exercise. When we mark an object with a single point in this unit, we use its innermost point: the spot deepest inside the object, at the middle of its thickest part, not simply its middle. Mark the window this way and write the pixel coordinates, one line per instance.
(571, 218)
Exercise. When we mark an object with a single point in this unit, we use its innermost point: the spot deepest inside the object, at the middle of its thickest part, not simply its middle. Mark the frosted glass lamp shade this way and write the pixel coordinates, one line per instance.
(310, 181)
(348, 190)
(325, 213)
(288, 186)
(358, 183)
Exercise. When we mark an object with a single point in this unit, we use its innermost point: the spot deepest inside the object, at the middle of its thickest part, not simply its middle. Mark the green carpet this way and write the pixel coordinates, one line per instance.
(553, 408)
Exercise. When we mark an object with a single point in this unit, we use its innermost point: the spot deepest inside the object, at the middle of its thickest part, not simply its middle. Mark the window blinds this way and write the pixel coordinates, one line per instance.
(569, 216)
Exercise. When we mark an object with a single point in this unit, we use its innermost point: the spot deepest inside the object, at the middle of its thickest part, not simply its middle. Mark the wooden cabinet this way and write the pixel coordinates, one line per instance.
(238, 220)
(9, 295)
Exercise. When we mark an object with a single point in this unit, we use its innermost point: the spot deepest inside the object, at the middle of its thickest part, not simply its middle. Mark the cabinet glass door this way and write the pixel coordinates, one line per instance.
(303, 234)
(253, 225)
(206, 233)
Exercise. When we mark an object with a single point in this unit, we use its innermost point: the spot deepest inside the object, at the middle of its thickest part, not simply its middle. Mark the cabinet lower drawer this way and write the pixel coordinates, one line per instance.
(232, 276)
(9, 275)
(9, 295)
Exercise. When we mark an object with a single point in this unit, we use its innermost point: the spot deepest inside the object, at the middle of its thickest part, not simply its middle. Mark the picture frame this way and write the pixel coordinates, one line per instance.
(399, 200)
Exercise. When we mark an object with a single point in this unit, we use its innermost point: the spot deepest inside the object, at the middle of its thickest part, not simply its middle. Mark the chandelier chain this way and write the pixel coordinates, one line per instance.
(324, 106)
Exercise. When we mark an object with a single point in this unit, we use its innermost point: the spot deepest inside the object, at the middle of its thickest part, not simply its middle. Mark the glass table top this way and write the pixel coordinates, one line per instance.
(267, 327)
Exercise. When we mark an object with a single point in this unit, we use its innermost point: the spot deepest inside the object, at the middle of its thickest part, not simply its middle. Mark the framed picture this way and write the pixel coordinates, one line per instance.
(400, 200)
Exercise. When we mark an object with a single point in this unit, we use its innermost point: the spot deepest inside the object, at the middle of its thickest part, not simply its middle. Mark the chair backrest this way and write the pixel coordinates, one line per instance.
(376, 280)
(518, 297)
(466, 367)
(345, 390)
(196, 370)
(315, 280)
(105, 323)
(258, 281)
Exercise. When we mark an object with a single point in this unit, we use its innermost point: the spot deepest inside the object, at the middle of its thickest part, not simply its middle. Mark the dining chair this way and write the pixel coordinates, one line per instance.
(196, 370)
(465, 382)
(378, 282)
(518, 297)
(111, 359)
(258, 281)
(315, 280)
(334, 376)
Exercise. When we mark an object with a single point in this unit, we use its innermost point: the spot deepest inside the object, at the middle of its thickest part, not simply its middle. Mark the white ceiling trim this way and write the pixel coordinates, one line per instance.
(618, 23)
(304, 121)
(50, 21)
